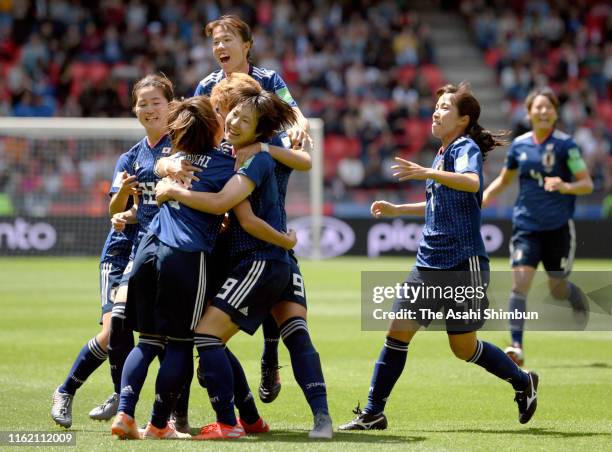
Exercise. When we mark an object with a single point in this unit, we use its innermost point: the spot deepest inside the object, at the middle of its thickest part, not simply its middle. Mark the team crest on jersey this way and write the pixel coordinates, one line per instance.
(166, 150)
(548, 158)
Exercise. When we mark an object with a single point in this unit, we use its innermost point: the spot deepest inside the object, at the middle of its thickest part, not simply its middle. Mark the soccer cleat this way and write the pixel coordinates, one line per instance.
(527, 400)
(366, 421)
(168, 432)
(61, 408)
(515, 353)
(217, 430)
(181, 423)
(322, 428)
(124, 427)
(259, 426)
(270, 384)
(106, 410)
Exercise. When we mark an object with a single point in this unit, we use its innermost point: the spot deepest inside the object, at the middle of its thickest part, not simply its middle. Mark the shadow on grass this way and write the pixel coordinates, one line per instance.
(580, 366)
(292, 436)
(534, 431)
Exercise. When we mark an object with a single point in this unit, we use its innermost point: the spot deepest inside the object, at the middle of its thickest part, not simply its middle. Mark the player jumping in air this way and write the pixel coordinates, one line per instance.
(451, 253)
(551, 174)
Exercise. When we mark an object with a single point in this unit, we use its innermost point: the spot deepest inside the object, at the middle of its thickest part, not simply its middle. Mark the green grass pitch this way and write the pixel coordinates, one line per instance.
(49, 309)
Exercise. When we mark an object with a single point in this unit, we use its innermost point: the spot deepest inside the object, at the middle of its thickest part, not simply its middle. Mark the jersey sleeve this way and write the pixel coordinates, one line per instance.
(511, 162)
(281, 140)
(199, 91)
(124, 163)
(468, 160)
(258, 168)
(280, 89)
(574, 160)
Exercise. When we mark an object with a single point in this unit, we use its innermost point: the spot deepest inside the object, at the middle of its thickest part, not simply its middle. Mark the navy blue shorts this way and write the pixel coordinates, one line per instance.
(295, 290)
(459, 291)
(555, 249)
(250, 291)
(110, 276)
(167, 290)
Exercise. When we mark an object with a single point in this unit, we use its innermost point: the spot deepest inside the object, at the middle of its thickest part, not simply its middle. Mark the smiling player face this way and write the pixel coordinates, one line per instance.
(230, 50)
(446, 123)
(152, 109)
(240, 126)
(542, 114)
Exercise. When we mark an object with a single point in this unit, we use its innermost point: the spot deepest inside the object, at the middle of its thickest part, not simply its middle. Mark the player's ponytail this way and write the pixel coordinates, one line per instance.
(468, 105)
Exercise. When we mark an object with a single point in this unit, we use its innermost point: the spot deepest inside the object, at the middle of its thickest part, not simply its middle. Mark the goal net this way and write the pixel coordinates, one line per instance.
(55, 174)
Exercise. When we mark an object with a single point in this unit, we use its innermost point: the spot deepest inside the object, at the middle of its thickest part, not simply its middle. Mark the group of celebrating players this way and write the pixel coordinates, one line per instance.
(181, 272)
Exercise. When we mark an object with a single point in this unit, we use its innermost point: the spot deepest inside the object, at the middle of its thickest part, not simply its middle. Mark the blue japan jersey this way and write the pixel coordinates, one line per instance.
(182, 227)
(282, 173)
(267, 78)
(265, 205)
(118, 245)
(144, 158)
(451, 234)
(558, 156)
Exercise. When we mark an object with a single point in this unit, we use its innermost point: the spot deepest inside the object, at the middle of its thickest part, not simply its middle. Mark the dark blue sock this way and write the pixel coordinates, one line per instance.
(271, 336)
(218, 375)
(387, 371)
(305, 363)
(182, 404)
(171, 380)
(243, 398)
(120, 344)
(494, 360)
(135, 372)
(575, 296)
(89, 359)
(517, 302)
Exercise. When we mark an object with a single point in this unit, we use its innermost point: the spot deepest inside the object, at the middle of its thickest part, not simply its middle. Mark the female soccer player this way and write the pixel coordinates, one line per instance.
(150, 99)
(168, 285)
(551, 174)
(260, 277)
(232, 41)
(451, 254)
(114, 258)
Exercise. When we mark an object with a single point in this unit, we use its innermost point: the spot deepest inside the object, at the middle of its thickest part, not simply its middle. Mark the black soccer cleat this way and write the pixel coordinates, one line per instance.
(580, 308)
(365, 421)
(527, 400)
(270, 384)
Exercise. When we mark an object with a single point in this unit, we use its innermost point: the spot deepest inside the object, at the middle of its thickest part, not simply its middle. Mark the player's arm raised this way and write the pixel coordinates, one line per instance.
(235, 191)
(295, 158)
(382, 209)
(501, 183)
(406, 170)
(261, 230)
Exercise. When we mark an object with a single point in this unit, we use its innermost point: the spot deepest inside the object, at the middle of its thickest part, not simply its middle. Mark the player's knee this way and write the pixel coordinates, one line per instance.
(463, 351)
(103, 339)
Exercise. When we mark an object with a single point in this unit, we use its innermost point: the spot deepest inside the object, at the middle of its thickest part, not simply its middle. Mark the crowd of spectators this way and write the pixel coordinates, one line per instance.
(367, 68)
(566, 45)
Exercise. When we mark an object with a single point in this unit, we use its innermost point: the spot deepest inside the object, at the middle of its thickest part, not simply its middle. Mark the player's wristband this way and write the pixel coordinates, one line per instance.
(265, 147)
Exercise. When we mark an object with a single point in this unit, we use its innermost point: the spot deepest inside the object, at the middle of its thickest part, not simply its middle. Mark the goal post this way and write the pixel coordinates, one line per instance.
(55, 172)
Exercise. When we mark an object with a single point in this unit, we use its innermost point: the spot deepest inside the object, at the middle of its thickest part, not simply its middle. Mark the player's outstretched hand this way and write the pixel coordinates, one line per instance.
(554, 184)
(163, 191)
(183, 172)
(381, 209)
(245, 153)
(407, 170)
(292, 239)
(129, 184)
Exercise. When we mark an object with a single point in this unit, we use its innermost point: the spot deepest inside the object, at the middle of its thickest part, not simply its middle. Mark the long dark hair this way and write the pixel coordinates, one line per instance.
(193, 125)
(467, 105)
